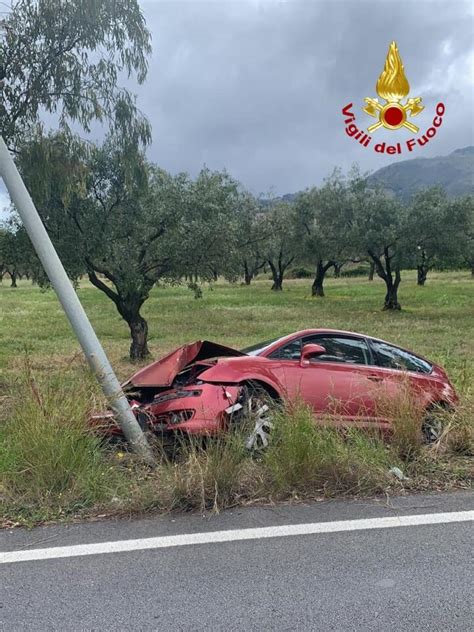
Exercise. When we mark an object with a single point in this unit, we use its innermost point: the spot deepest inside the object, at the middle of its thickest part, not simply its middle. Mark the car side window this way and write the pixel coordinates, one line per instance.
(341, 349)
(394, 358)
(290, 351)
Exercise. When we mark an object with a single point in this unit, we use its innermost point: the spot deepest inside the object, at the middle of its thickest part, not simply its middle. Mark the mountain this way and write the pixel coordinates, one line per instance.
(454, 172)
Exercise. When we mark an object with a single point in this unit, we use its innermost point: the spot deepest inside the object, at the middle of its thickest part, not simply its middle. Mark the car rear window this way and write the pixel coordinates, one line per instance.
(395, 358)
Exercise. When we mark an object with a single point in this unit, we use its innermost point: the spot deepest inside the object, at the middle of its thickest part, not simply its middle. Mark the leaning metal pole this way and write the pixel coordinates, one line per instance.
(90, 344)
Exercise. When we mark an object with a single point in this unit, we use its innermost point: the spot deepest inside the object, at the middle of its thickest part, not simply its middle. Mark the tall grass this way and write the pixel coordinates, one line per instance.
(307, 457)
(50, 463)
(52, 467)
(204, 476)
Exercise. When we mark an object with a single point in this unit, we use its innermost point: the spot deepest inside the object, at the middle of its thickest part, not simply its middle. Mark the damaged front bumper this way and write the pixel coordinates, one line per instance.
(193, 410)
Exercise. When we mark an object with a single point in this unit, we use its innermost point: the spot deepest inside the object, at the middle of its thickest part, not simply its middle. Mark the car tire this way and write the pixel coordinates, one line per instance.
(252, 416)
(433, 423)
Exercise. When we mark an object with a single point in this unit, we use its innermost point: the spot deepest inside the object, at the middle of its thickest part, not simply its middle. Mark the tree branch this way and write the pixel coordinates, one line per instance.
(100, 285)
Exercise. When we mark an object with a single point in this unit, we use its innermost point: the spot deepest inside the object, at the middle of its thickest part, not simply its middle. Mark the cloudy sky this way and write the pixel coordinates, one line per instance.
(257, 87)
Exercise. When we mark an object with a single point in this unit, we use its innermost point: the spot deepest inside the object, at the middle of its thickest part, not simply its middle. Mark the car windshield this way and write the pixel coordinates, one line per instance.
(260, 347)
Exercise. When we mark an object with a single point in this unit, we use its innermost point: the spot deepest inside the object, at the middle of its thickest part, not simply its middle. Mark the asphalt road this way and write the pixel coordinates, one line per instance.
(382, 579)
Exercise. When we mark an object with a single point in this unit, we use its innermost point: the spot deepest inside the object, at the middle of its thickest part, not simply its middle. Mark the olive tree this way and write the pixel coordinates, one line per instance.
(109, 213)
(280, 246)
(378, 229)
(322, 218)
(10, 259)
(250, 239)
(436, 227)
(127, 223)
(17, 257)
(208, 233)
(467, 240)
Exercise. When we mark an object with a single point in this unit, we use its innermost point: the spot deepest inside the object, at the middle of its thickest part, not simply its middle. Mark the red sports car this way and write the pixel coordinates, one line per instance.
(202, 388)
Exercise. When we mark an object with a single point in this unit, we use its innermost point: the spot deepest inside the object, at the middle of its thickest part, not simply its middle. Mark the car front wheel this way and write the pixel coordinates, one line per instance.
(253, 416)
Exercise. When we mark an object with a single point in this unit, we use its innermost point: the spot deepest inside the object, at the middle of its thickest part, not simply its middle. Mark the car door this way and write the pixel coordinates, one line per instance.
(336, 383)
(401, 375)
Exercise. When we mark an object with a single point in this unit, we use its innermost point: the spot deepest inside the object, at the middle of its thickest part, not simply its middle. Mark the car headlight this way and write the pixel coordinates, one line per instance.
(176, 395)
(176, 417)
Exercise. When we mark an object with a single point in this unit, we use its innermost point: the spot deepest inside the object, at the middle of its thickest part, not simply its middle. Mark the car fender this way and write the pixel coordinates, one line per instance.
(226, 374)
(433, 390)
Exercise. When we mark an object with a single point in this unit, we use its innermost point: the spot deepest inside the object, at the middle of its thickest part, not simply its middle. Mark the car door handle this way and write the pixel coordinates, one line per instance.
(375, 378)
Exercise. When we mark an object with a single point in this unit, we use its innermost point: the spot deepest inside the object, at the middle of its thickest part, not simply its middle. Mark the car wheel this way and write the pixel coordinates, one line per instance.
(433, 424)
(252, 414)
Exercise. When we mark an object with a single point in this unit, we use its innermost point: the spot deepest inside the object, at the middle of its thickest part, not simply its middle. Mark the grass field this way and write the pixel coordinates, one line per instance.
(437, 320)
(52, 468)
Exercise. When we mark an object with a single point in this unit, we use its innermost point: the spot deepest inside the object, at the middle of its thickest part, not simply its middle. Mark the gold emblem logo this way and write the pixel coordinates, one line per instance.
(393, 86)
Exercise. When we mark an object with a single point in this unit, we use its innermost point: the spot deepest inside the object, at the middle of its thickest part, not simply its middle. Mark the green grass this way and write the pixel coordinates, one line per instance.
(437, 320)
(51, 467)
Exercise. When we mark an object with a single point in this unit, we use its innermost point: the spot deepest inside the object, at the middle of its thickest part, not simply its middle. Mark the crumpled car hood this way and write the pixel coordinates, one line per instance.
(162, 372)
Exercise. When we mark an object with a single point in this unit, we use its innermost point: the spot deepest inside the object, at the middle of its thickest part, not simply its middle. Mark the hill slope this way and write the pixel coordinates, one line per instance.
(454, 172)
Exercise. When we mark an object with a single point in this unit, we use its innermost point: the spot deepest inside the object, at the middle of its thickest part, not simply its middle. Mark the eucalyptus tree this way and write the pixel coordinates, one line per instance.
(64, 57)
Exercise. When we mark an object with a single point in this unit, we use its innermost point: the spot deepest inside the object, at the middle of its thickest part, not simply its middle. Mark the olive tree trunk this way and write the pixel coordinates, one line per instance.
(278, 269)
(422, 269)
(421, 274)
(391, 297)
(139, 333)
(248, 276)
(13, 277)
(371, 271)
(392, 278)
(317, 289)
(128, 306)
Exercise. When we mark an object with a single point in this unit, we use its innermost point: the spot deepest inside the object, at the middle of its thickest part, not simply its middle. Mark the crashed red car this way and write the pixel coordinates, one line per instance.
(203, 387)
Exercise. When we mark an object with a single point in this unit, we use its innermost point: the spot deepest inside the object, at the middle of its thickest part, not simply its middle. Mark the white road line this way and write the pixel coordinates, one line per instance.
(233, 535)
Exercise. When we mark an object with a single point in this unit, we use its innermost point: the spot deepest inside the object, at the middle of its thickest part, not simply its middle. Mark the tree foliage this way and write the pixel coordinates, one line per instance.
(110, 215)
(17, 258)
(66, 57)
(323, 217)
(126, 223)
(251, 239)
(435, 229)
(378, 231)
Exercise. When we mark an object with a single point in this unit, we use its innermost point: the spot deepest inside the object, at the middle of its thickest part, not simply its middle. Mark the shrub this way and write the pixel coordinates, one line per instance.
(361, 270)
(300, 273)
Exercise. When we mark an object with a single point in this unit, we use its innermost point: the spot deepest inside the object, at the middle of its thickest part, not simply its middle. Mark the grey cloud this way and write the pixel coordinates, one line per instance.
(258, 87)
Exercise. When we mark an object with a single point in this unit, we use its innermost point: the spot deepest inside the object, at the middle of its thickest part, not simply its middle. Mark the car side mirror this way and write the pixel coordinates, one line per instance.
(311, 351)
